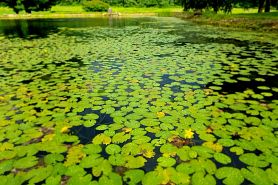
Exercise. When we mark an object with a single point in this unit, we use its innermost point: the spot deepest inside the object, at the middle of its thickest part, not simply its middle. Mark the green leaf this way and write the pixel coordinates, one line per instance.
(152, 178)
(272, 174)
(53, 158)
(91, 160)
(253, 160)
(92, 149)
(80, 180)
(185, 168)
(166, 161)
(26, 162)
(222, 158)
(6, 166)
(256, 175)
(199, 178)
(133, 177)
(53, 180)
(231, 176)
(120, 137)
(102, 168)
(102, 139)
(237, 150)
(135, 162)
(39, 174)
(117, 160)
(226, 142)
(110, 179)
(113, 149)
(75, 170)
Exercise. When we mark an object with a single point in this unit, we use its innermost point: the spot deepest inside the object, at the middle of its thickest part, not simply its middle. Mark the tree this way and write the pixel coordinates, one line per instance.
(267, 6)
(261, 6)
(198, 5)
(194, 4)
(30, 5)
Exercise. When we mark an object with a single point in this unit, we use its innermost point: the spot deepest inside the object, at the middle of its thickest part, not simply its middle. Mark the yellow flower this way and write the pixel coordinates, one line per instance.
(214, 146)
(134, 81)
(126, 130)
(48, 137)
(160, 114)
(106, 140)
(148, 153)
(65, 129)
(6, 146)
(2, 98)
(188, 134)
(209, 130)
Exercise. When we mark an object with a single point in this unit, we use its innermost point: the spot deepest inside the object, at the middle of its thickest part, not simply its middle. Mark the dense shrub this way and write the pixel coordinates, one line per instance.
(95, 6)
(29, 5)
(2, 4)
(70, 2)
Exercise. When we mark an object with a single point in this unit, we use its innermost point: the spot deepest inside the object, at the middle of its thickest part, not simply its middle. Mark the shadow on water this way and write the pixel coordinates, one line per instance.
(39, 28)
(26, 28)
(197, 38)
(86, 134)
(241, 86)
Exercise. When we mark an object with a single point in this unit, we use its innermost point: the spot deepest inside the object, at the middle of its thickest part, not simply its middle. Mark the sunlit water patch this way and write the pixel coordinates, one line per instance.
(136, 101)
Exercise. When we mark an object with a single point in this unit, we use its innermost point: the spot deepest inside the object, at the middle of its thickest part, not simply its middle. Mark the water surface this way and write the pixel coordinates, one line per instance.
(136, 101)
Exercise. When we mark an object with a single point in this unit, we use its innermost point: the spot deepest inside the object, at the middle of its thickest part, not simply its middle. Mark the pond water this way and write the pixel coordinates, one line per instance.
(136, 101)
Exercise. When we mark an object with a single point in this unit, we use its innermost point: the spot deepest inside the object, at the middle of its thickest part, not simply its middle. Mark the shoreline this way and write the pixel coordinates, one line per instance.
(79, 15)
(250, 22)
(234, 21)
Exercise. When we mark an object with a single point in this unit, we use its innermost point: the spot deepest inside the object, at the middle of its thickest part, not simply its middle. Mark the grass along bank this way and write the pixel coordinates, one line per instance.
(239, 18)
(77, 11)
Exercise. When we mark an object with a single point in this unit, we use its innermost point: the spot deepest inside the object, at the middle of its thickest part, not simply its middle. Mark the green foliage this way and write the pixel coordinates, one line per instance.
(26, 162)
(222, 158)
(225, 5)
(133, 177)
(30, 5)
(142, 3)
(253, 160)
(98, 105)
(231, 176)
(95, 6)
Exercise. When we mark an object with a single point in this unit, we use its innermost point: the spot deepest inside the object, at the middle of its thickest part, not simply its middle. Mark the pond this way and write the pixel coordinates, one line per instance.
(154, 100)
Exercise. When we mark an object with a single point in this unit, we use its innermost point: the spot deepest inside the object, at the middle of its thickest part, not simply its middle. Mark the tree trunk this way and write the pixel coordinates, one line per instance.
(261, 6)
(16, 10)
(267, 6)
(215, 6)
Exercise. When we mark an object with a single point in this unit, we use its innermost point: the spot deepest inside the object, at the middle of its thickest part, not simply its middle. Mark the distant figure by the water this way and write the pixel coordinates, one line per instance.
(110, 11)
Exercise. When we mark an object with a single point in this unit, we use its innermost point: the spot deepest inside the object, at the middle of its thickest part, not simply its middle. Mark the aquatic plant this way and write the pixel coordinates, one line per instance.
(162, 102)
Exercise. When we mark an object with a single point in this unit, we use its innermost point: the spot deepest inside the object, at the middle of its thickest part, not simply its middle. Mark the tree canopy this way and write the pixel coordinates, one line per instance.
(30, 5)
(197, 5)
(227, 5)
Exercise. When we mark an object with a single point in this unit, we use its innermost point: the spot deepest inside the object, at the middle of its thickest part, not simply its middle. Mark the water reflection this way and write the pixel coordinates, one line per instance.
(42, 27)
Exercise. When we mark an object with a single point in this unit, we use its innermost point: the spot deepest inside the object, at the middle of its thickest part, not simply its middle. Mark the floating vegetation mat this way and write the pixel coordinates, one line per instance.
(157, 102)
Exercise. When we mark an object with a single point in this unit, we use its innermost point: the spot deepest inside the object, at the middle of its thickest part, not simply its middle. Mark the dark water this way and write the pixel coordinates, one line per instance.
(81, 63)
(42, 27)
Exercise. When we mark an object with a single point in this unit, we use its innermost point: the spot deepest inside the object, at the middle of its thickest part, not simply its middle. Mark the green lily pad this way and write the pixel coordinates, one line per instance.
(133, 176)
(253, 160)
(113, 149)
(231, 176)
(166, 161)
(25, 162)
(222, 158)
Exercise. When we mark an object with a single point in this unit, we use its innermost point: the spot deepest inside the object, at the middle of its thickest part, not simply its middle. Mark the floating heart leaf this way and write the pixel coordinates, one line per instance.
(230, 175)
